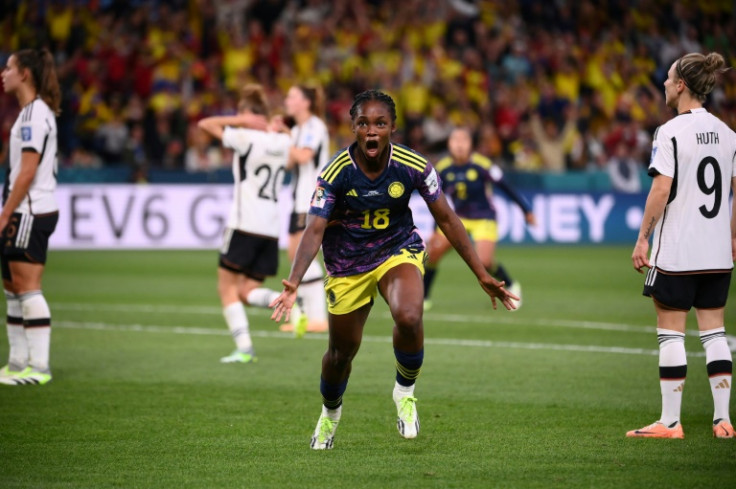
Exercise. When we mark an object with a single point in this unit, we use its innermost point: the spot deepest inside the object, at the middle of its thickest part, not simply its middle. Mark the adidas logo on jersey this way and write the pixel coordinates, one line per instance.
(352, 193)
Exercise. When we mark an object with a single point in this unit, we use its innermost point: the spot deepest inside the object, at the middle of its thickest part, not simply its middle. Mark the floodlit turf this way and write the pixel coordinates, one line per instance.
(537, 398)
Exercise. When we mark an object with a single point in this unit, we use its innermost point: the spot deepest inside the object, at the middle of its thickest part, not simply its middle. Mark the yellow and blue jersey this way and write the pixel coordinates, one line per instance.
(469, 184)
(370, 220)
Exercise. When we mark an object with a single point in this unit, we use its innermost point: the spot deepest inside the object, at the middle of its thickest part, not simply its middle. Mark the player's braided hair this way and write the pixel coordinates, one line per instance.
(373, 95)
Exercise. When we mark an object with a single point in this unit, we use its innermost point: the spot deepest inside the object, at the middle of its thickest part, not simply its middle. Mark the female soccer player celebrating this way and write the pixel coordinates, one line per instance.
(308, 155)
(687, 210)
(29, 214)
(360, 215)
(250, 250)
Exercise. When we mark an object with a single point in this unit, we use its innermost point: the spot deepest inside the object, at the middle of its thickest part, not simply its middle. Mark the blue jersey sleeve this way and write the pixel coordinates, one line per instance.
(323, 199)
(429, 184)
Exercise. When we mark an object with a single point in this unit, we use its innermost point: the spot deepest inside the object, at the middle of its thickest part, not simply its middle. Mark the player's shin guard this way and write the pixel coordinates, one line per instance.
(18, 357)
(37, 325)
(672, 373)
(720, 367)
(332, 393)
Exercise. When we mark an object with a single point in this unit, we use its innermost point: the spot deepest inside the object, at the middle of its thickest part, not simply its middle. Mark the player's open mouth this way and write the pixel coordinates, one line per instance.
(371, 147)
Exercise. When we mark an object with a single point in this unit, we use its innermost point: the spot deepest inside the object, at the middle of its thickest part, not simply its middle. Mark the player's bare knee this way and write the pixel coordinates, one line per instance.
(408, 319)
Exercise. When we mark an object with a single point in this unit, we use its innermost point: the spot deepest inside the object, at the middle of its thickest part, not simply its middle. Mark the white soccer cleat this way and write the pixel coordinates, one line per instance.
(324, 434)
(408, 420)
(238, 356)
(28, 376)
(9, 374)
(515, 288)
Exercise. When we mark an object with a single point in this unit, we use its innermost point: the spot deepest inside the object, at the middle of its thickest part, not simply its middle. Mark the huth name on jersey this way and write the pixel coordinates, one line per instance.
(706, 137)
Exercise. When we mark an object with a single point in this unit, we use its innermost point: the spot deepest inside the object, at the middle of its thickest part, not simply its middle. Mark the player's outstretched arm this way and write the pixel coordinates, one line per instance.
(307, 249)
(653, 210)
(455, 232)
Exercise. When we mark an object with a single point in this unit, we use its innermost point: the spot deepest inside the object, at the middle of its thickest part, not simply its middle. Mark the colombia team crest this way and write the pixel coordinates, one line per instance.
(396, 190)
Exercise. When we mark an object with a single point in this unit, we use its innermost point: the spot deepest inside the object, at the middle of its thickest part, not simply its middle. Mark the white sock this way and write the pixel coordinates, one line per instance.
(314, 272)
(237, 323)
(18, 356)
(672, 373)
(401, 391)
(261, 297)
(720, 366)
(37, 323)
(314, 301)
(333, 414)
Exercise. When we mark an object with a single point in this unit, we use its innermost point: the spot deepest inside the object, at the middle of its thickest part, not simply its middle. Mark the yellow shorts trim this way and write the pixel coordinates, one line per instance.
(346, 294)
(481, 229)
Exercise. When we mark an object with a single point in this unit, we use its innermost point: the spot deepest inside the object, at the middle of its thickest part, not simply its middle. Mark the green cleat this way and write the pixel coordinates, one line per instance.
(27, 376)
(407, 420)
(240, 357)
(8, 375)
(299, 319)
(324, 434)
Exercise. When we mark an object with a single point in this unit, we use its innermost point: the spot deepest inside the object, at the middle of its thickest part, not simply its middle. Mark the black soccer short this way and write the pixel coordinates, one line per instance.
(297, 222)
(26, 238)
(685, 291)
(254, 256)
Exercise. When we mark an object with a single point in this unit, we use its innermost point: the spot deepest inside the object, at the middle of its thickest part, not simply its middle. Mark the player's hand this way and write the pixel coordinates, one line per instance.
(639, 256)
(530, 219)
(284, 302)
(277, 124)
(496, 290)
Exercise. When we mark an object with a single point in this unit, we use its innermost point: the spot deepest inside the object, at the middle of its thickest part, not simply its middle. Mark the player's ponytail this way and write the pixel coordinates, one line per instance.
(699, 72)
(41, 64)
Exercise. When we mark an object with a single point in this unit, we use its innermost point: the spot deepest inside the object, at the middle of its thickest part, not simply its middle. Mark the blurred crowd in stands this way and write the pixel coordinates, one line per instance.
(546, 85)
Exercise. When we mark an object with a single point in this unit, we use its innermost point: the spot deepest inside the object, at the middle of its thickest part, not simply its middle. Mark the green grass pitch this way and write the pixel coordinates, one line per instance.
(538, 398)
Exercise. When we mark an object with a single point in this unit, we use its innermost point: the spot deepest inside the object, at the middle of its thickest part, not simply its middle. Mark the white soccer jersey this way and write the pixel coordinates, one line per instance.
(259, 164)
(697, 151)
(312, 134)
(34, 130)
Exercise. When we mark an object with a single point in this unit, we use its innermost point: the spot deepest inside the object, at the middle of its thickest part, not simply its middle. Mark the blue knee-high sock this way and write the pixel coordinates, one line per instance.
(429, 273)
(408, 366)
(332, 393)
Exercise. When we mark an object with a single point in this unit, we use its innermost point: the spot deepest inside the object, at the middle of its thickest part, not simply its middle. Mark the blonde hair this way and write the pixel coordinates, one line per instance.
(253, 98)
(698, 72)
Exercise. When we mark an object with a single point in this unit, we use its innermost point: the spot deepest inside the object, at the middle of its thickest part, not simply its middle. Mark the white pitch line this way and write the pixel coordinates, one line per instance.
(139, 328)
(496, 318)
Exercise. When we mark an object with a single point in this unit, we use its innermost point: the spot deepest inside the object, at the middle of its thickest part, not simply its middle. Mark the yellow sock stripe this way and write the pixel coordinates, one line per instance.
(334, 168)
(407, 373)
(329, 403)
(409, 156)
